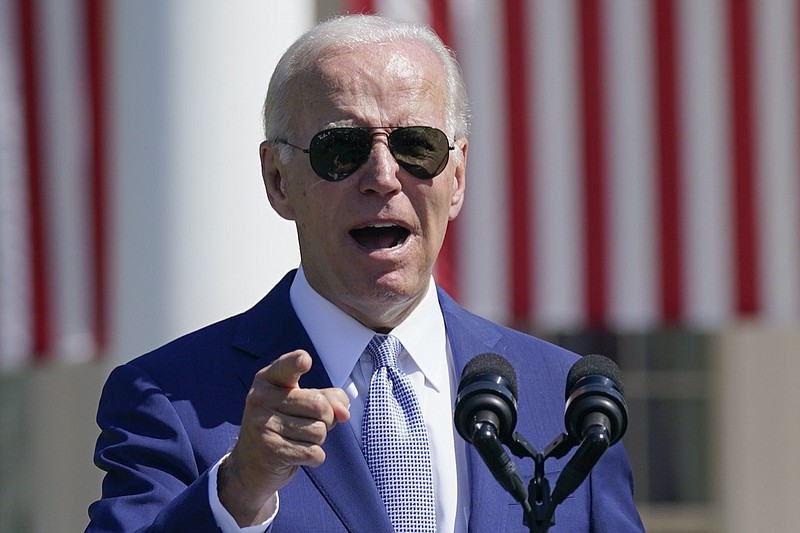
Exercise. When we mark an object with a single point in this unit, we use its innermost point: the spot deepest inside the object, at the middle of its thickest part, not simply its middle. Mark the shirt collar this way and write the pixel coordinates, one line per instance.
(340, 339)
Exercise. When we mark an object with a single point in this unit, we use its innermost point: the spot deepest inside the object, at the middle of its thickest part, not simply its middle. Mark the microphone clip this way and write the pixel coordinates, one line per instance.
(539, 510)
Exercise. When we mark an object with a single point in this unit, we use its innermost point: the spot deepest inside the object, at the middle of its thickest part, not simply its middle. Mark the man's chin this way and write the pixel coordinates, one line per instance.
(385, 303)
(399, 287)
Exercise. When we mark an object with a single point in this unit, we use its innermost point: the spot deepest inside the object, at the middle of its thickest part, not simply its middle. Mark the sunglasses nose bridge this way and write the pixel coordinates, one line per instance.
(380, 146)
(378, 138)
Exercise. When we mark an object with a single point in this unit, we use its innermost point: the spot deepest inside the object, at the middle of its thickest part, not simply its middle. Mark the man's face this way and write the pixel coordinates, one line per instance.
(368, 243)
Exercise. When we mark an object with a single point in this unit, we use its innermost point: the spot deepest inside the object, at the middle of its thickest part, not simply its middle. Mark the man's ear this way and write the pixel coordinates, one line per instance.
(459, 181)
(275, 183)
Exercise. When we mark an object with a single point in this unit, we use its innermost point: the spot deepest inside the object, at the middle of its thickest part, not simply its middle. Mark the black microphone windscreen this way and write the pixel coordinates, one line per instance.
(594, 365)
(490, 363)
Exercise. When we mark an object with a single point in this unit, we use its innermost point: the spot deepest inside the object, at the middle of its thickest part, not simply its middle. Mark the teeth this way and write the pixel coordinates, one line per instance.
(381, 225)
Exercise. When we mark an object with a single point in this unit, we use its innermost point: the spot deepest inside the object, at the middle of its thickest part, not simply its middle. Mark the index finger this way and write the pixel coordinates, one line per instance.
(286, 370)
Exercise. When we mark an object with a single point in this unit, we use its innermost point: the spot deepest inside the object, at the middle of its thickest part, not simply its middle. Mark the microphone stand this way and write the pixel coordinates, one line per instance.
(539, 508)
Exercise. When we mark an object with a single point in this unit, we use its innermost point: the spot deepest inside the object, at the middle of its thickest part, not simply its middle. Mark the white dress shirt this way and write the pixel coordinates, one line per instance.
(340, 341)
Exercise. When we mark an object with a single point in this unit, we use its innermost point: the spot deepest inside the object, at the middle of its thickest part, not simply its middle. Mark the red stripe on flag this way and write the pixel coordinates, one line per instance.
(361, 6)
(447, 274)
(594, 154)
(446, 263)
(519, 134)
(41, 331)
(668, 159)
(745, 245)
(440, 20)
(96, 62)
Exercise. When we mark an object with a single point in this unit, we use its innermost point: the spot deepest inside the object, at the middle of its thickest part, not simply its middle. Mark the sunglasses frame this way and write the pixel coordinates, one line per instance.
(411, 168)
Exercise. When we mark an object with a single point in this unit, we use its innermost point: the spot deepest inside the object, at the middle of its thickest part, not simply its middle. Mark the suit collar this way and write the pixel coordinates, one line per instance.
(469, 334)
(270, 329)
(270, 326)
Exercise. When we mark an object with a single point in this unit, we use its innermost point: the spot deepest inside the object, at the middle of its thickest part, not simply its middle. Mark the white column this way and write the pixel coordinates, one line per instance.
(195, 239)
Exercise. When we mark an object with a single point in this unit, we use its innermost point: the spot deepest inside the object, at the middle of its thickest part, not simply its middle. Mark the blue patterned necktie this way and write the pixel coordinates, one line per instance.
(395, 442)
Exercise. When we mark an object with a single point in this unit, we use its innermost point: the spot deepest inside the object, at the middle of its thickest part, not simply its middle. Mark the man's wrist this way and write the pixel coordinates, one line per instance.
(244, 505)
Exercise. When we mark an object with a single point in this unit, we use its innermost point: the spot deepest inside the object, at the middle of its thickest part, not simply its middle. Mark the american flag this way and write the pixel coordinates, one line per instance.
(53, 222)
(632, 163)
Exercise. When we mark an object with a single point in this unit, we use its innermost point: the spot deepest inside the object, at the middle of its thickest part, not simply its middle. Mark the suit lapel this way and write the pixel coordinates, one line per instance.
(270, 329)
(347, 484)
(470, 336)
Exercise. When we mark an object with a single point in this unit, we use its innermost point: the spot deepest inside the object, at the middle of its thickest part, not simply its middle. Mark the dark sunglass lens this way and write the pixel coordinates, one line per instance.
(338, 152)
(421, 150)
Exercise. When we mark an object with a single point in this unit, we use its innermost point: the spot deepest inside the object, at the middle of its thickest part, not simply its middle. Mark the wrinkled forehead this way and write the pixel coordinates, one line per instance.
(377, 84)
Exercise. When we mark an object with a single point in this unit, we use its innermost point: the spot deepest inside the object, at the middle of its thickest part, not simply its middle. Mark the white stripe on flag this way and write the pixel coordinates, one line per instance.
(777, 90)
(15, 303)
(411, 10)
(633, 291)
(484, 244)
(707, 231)
(559, 257)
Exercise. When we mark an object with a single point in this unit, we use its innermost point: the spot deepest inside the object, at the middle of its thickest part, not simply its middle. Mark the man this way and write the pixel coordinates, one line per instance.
(277, 418)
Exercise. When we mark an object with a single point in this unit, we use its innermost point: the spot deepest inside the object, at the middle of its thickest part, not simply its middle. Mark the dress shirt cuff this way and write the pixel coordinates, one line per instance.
(225, 521)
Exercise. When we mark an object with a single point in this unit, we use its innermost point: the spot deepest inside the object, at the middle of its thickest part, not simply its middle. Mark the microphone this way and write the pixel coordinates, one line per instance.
(596, 416)
(486, 415)
(487, 394)
(595, 401)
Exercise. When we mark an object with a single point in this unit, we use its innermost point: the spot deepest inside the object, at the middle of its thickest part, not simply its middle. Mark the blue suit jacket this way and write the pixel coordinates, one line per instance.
(169, 415)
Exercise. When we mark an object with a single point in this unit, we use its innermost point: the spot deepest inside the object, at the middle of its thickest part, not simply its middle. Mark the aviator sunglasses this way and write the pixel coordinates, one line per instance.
(336, 153)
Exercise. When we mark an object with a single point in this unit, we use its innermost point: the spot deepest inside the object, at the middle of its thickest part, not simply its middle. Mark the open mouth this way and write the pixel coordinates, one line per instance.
(380, 237)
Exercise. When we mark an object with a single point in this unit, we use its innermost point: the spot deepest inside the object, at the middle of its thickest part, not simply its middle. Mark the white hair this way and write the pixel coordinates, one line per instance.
(350, 31)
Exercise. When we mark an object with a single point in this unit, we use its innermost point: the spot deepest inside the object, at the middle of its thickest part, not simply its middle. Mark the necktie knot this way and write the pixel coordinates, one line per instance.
(384, 350)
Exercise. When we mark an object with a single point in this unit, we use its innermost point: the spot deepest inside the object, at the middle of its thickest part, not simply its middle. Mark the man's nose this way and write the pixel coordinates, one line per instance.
(381, 168)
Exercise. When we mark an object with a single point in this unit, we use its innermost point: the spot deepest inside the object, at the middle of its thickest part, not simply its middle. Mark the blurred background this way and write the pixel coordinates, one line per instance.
(633, 190)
